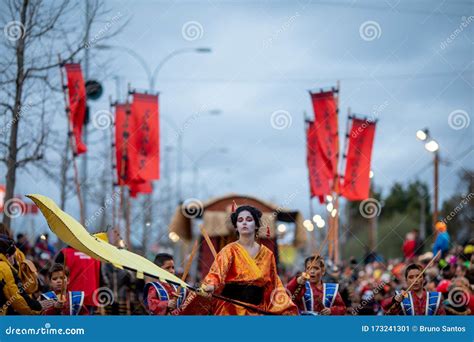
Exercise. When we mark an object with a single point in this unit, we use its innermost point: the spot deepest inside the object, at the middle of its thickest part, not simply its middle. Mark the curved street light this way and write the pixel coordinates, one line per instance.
(152, 74)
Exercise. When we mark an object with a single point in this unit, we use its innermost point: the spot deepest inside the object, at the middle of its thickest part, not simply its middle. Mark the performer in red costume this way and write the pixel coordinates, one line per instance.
(160, 297)
(246, 271)
(311, 295)
(417, 301)
(66, 303)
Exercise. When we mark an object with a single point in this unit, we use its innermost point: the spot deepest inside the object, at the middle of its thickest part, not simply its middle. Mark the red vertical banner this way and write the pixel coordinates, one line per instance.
(356, 183)
(319, 173)
(77, 103)
(127, 169)
(325, 119)
(144, 140)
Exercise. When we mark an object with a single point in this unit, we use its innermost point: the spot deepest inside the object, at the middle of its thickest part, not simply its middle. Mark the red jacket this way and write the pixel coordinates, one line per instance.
(84, 273)
(409, 249)
(418, 303)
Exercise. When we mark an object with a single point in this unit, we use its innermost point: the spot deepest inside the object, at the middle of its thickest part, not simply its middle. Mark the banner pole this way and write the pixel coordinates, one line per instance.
(125, 162)
(340, 172)
(346, 141)
(113, 161)
(333, 252)
(122, 181)
(311, 245)
(336, 182)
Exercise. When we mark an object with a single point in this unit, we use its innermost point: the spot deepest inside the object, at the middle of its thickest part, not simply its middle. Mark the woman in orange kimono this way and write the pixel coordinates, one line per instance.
(246, 271)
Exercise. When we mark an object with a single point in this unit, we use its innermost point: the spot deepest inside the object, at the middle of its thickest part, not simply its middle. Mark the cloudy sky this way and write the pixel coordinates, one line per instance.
(407, 63)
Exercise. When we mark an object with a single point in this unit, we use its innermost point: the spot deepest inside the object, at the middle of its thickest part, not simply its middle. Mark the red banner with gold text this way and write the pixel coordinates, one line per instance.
(325, 118)
(319, 173)
(356, 183)
(144, 140)
(77, 103)
(126, 166)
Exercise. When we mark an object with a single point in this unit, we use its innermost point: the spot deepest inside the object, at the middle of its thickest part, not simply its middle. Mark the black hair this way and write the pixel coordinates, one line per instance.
(318, 258)
(412, 267)
(20, 236)
(256, 214)
(161, 258)
(7, 245)
(57, 267)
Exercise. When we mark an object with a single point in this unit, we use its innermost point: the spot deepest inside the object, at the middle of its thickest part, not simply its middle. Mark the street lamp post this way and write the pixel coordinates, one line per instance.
(157, 69)
(432, 146)
(152, 75)
(436, 183)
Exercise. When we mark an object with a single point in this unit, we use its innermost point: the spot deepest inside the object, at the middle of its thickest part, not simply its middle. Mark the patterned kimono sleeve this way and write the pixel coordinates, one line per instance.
(280, 301)
(219, 269)
(292, 286)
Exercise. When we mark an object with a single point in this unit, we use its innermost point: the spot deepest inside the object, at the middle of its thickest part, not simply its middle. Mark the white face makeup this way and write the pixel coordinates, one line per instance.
(245, 223)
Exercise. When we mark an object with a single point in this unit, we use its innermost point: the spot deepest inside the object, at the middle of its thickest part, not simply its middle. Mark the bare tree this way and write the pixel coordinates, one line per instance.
(36, 32)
